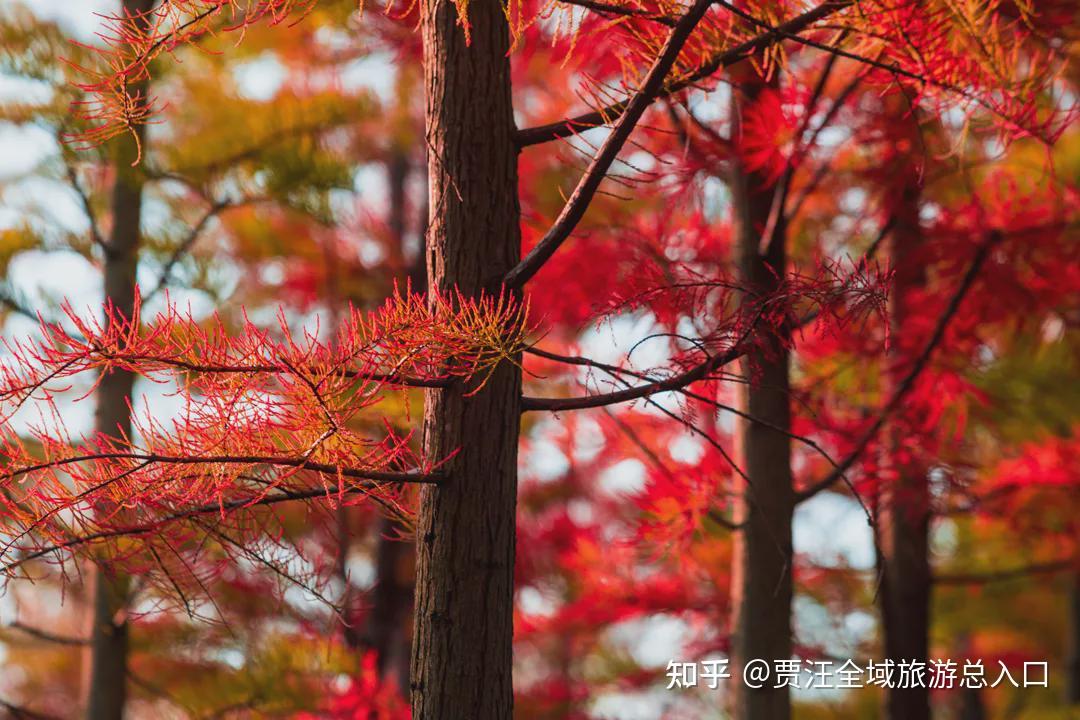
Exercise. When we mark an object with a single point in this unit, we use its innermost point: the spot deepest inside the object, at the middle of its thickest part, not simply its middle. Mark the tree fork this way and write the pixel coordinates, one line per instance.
(463, 617)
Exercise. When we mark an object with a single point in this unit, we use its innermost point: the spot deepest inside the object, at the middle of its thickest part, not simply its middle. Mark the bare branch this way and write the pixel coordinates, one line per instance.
(18, 712)
(981, 578)
(186, 244)
(84, 200)
(47, 636)
(673, 383)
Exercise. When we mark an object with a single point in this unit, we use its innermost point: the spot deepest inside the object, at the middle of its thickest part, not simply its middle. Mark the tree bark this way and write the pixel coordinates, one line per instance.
(765, 500)
(904, 518)
(462, 655)
(107, 691)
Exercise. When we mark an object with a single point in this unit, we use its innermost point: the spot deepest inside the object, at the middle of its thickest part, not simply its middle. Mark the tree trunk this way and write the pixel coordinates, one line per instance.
(1072, 668)
(462, 656)
(389, 631)
(109, 634)
(762, 573)
(389, 634)
(904, 518)
(107, 691)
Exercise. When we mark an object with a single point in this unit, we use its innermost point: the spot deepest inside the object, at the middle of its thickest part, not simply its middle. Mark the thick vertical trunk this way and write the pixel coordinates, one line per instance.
(461, 659)
(107, 691)
(762, 568)
(904, 518)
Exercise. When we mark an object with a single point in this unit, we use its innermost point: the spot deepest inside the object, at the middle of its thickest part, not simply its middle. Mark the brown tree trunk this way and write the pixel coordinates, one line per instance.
(462, 656)
(107, 690)
(904, 518)
(109, 633)
(762, 568)
(1072, 668)
(389, 630)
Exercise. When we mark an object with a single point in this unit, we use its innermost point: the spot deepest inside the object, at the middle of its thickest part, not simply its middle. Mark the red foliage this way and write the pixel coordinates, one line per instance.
(263, 420)
(364, 697)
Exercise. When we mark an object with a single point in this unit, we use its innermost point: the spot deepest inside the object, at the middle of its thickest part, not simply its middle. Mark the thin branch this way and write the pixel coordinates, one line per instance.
(18, 712)
(47, 636)
(208, 509)
(606, 9)
(999, 575)
(638, 442)
(10, 299)
(186, 244)
(770, 237)
(713, 514)
(268, 368)
(84, 200)
(275, 460)
(572, 126)
(579, 201)
(908, 381)
(674, 383)
(891, 68)
(616, 372)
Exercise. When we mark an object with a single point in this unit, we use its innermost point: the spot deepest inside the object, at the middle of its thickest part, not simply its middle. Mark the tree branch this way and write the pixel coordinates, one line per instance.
(677, 383)
(186, 244)
(616, 372)
(300, 463)
(908, 381)
(606, 9)
(84, 199)
(267, 368)
(18, 712)
(596, 118)
(998, 575)
(208, 509)
(891, 68)
(579, 201)
(674, 383)
(47, 636)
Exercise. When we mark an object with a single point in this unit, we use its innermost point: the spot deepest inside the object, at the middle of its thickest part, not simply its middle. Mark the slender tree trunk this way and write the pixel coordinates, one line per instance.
(397, 176)
(462, 655)
(1072, 668)
(762, 573)
(904, 518)
(107, 691)
(389, 631)
(109, 634)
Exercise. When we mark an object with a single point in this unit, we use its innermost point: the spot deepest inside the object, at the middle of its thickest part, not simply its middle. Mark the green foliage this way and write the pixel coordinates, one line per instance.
(1033, 386)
